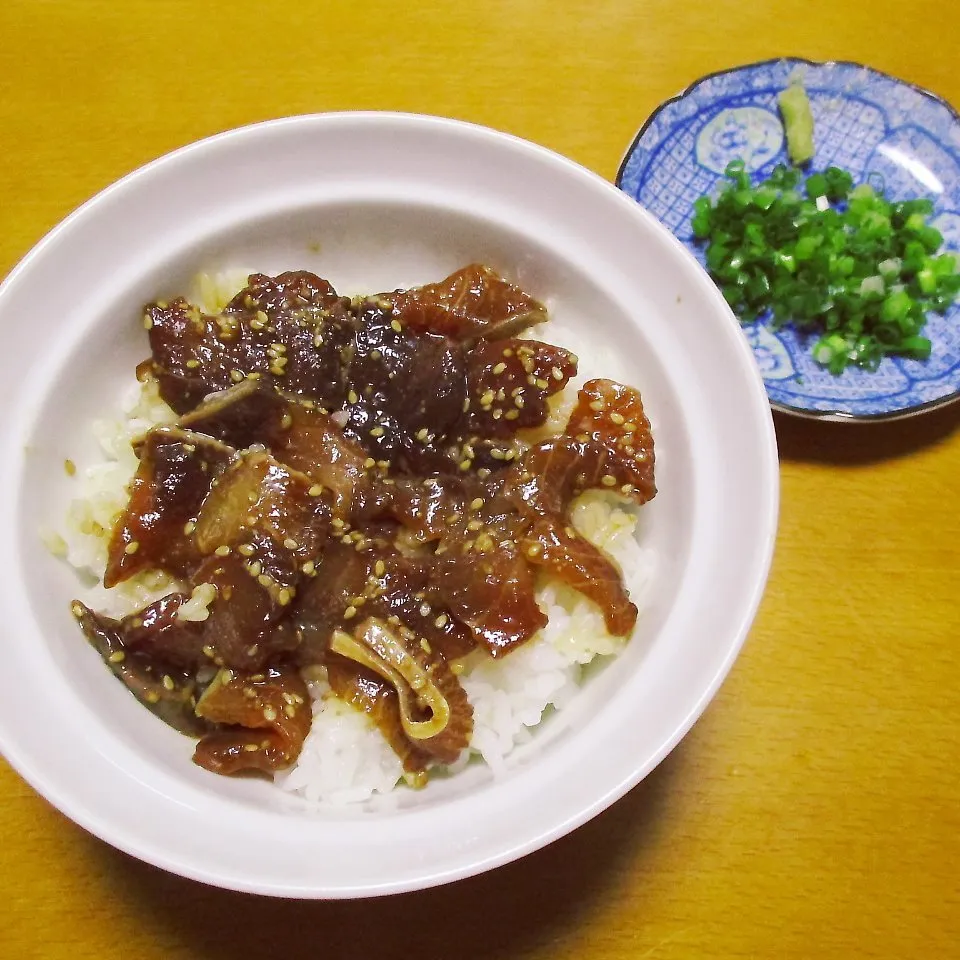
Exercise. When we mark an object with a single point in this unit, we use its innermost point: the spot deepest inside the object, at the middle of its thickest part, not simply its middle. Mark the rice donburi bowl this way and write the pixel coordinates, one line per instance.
(312, 194)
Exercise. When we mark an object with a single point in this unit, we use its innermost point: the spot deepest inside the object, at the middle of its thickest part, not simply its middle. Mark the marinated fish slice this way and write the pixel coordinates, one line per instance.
(427, 506)
(369, 692)
(434, 710)
(159, 632)
(611, 415)
(471, 303)
(562, 552)
(155, 531)
(274, 516)
(493, 593)
(296, 431)
(267, 715)
(509, 383)
(405, 392)
(246, 626)
(290, 329)
(293, 290)
(164, 689)
(377, 582)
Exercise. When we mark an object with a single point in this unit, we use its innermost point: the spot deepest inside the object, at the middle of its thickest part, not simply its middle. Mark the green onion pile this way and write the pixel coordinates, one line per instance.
(829, 258)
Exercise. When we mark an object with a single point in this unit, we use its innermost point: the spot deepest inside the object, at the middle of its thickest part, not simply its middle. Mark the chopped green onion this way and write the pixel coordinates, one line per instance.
(827, 256)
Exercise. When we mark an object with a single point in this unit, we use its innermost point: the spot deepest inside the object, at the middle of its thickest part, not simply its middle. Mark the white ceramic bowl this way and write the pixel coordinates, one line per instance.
(390, 200)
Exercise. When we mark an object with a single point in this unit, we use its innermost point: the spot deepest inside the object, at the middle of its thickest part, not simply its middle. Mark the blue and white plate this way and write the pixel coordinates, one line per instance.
(864, 121)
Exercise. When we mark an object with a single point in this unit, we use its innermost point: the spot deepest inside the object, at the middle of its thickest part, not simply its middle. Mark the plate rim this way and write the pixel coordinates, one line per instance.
(831, 415)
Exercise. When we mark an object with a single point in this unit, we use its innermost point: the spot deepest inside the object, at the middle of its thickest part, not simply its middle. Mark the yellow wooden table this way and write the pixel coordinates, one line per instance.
(814, 811)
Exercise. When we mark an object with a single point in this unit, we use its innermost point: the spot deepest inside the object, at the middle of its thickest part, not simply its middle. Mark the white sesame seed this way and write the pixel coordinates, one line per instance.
(132, 547)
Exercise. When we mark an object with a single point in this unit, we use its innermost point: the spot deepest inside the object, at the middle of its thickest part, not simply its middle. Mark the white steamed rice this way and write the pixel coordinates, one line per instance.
(344, 759)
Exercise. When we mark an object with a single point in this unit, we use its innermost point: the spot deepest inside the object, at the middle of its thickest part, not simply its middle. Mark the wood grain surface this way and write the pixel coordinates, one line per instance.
(813, 811)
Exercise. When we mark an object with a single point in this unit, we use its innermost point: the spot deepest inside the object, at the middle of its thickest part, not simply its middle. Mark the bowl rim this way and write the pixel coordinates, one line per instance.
(33, 772)
(806, 413)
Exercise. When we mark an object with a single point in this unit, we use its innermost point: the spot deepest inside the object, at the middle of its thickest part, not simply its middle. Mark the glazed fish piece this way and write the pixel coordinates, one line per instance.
(177, 469)
(435, 714)
(292, 329)
(294, 430)
(509, 384)
(558, 549)
(262, 720)
(153, 655)
(379, 581)
(471, 303)
(261, 529)
(376, 697)
(406, 390)
(611, 415)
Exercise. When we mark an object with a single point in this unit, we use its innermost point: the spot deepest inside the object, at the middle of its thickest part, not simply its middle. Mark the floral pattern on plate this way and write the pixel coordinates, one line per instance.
(872, 125)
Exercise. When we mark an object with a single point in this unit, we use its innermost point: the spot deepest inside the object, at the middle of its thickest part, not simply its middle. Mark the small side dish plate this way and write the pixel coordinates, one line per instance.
(873, 125)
